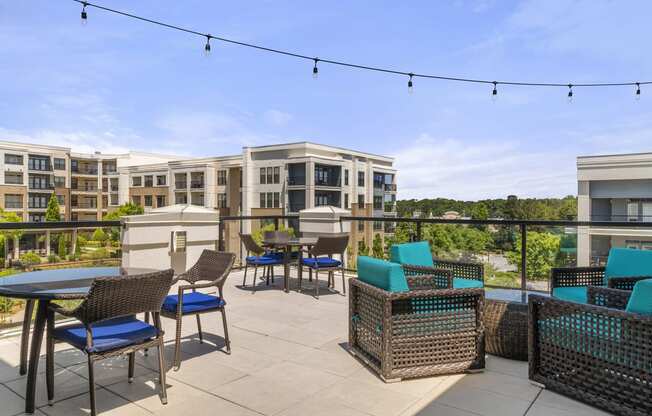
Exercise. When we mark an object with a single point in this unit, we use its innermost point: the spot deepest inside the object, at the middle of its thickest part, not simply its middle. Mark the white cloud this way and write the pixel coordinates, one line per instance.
(277, 117)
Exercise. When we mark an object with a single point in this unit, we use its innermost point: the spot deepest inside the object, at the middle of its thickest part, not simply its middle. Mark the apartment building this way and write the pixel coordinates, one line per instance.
(613, 188)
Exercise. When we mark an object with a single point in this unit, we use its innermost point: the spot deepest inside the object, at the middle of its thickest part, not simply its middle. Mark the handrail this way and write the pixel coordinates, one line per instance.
(57, 225)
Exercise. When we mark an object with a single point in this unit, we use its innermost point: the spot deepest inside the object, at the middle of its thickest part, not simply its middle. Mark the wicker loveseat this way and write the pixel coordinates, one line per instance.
(405, 327)
(599, 353)
(416, 259)
(625, 267)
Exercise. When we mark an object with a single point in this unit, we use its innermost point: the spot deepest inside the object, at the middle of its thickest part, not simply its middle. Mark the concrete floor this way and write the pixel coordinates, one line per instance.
(289, 358)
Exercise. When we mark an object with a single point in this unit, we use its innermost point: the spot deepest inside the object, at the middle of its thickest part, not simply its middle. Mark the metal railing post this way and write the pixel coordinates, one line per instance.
(220, 241)
(523, 256)
(418, 230)
(276, 224)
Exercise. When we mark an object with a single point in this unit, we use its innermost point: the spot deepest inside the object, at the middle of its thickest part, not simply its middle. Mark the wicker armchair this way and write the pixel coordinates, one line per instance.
(589, 276)
(109, 327)
(211, 269)
(596, 353)
(421, 332)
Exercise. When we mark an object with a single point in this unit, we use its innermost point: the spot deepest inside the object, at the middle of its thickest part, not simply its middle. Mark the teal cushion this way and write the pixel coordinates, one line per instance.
(640, 300)
(416, 254)
(382, 274)
(627, 262)
(571, 294)
(461, 283)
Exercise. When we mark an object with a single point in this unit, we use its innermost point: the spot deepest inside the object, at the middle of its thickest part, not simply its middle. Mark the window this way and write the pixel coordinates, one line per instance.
(161, 180)
(221, 200)
(277, 174)
(160, 201)
(361, 201)
(148, 200)
(263, 176)
(360, 178)
(59, 163)
(346, 177)
(361, 226)
(135, 199)
(270, 175)
(378, 225)
(113, 199)
(36, 218)
(262, 200)
(13, 201)
(646, 209)
(38, 200)
(378, 202)
(180, 198)
(149, 181)
(39, 182)
(277, 200)
(59, 181)
(13, 178)
(346, 201)
(270, 199)
(61, 199)
(39, 163)
(221, 177)
(136, 181)
(13, 159)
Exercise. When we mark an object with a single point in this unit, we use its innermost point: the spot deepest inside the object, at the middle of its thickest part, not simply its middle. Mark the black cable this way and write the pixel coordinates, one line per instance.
(358, 66)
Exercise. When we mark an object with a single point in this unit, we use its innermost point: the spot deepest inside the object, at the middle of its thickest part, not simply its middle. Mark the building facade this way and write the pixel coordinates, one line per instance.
(613, 188)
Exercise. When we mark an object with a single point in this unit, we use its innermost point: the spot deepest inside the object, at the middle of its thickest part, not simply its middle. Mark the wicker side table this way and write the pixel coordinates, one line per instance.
(505, 323)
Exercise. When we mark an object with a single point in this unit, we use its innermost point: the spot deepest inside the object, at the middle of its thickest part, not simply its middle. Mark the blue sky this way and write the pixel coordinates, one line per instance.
(118, 84)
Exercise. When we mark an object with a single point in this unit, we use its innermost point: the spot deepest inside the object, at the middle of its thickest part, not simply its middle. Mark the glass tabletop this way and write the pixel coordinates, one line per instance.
(511, 295)
(57, 283)
(302, 241)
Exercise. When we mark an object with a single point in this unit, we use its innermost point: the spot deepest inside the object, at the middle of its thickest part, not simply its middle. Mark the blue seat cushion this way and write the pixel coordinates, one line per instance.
(416, 254)
(107, 335)
(316, 262)
(382, 274)
(575, 294)
(193, 302)
(640, 301)
(462, 283)
(264, 260)
(628, 262)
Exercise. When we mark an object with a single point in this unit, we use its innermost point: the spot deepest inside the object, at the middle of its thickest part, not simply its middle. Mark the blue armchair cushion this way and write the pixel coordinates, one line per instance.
(264, 260)
(382, 274)
(628, 262)
(640, 301)
(107, 335)
(577, 294)
(462, 283)
(417, 254)
(316, 262)
(193, 302)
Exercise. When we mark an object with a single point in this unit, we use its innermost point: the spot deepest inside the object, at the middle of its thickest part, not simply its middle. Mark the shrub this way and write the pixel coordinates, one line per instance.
(53, 258)
(30, 259)
(99, 235)
(100, 253)
(61, 248)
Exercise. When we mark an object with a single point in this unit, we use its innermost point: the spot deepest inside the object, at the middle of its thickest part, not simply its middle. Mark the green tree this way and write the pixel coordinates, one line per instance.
(123, 210)
(99, 235)
(53, 211)
(541, 253)
(8, 216)
(377, 247)
(61, 247)
(479, 211)
(363, 250)
(259, 233)
(568, 209)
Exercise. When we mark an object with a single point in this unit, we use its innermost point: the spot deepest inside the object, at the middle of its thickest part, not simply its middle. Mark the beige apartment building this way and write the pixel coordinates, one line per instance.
(268, 180)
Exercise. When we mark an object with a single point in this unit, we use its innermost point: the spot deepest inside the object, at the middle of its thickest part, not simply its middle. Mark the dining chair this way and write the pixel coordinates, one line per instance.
(320, 258)
(109, 326)
(211, 270)
(258, 256)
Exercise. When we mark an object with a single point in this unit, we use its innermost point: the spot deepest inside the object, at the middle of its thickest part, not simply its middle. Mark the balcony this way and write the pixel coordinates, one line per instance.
(181, 185)
(36, 187)
(389, 187)
(198, 184)
(84, 205)
(84, 170)
(85, 188)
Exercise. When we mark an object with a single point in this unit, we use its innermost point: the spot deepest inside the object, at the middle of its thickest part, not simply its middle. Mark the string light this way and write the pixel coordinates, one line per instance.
(494, 93)
(207, 47)
(358, 66)
(315, 70)
(638, 91)
(410, 84)
(84, 16)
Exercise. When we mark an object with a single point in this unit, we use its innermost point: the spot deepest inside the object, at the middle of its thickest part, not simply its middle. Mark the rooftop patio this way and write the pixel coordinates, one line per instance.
(289, 357)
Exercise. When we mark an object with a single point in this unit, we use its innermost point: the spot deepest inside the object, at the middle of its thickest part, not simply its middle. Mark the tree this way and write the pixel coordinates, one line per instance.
(541, 252)
(53, 211)
(377, 247)
(479, 211)
(7, 216)
(123, 210)
(61, 248)
(99, 235)
(363, 250)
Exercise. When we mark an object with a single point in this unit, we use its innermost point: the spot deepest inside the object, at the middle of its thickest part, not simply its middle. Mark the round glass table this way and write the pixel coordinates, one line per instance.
(42, 287)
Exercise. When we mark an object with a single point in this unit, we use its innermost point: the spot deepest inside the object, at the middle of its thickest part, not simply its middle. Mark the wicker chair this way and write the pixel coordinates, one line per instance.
(420, 332)
(597, 353)
(320, 258)
(260, 257)
(109, 327)
(212, 269)
(462, 275)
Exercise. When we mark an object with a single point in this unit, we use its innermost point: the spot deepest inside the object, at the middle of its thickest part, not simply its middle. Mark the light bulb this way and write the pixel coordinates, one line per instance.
(410, 85)
(315, 70)
(207, 47)
(570, 93)
(638, 91)
(84, 16)
(494, 93)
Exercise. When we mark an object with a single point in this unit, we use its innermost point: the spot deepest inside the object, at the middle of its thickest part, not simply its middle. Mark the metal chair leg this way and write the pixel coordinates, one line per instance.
(267, 273)
(201, 336)
(146, 350)
(343, 282)
(24, 338)
(244, 279)
(91, 385)
(132, 360)
(177, 345)
(49, 357)
(227, 341)
(316, 284)
(255, 273)
(161, 374)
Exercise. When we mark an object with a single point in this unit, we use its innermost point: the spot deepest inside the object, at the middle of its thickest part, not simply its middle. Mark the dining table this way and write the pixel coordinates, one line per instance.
(39, 288)
(286, 245)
